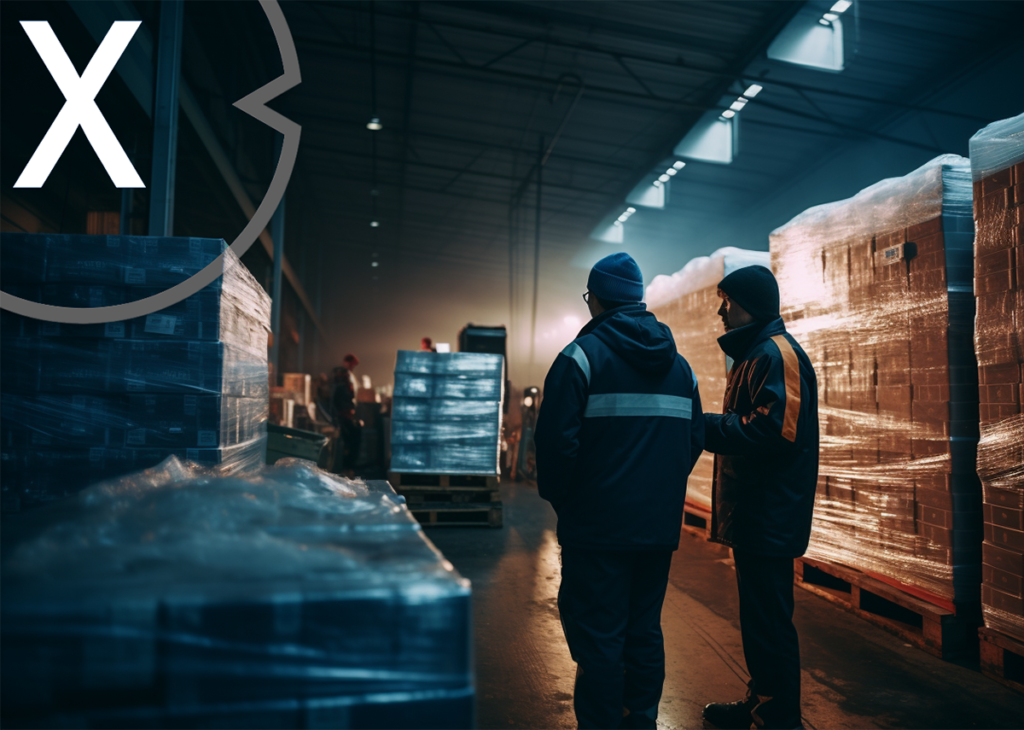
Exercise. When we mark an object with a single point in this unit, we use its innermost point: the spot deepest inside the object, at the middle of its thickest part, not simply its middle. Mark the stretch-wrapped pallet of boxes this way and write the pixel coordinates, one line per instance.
(997, 165)
(446, 413)
(688, 303)
(83, 402)
(877, 289)
(181, 597)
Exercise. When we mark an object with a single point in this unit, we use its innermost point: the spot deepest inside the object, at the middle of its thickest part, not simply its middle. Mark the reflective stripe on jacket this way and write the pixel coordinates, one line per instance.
(765, 444)
(619, 430)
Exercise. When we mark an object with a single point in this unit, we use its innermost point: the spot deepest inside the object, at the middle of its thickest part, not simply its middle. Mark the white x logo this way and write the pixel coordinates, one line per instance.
(80, 109)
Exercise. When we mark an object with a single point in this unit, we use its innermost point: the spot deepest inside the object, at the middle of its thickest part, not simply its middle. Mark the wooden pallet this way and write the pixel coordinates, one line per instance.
(449, 514)
(935, 629)
(1002, 658)
(697, 520)
(447, 481)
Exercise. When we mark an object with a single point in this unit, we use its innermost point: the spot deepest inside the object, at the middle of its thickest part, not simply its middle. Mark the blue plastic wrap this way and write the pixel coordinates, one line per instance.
(447, 413)
(997, 147)
(86, 402)
(178, 596)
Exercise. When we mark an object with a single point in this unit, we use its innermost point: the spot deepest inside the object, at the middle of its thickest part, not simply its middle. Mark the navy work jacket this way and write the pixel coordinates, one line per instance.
(765, 444)
(619, 431)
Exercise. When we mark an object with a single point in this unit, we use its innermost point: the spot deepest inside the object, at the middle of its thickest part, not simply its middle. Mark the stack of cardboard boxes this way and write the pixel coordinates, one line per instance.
(688, 303)
(997, 161)
(877, 290)
(83, 402)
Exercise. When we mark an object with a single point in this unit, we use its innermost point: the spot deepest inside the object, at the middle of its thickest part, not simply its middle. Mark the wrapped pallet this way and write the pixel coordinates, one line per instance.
(183, 597)
(688, 302)
(446, 413)
(997, 167)
(877, 289)
(84, 402)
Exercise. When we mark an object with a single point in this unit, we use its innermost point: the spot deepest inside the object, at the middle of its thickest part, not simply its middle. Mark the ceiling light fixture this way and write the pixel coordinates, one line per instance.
(678, 165)
(842, 6)
(657, 183)
(752, 91)
(728, 114)
(374, 125)
(374, 224)
(671, 171)
(663, 178)
(375, 264)
(830, 17)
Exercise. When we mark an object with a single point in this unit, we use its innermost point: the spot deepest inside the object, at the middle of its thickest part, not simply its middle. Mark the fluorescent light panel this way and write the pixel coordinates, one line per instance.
(842, 6)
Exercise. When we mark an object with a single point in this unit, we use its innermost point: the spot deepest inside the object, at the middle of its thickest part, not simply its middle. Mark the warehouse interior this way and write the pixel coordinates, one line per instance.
(461, 168)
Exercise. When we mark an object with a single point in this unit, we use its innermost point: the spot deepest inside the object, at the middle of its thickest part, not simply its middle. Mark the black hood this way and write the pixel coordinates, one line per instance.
(635, 335)
(738, 342)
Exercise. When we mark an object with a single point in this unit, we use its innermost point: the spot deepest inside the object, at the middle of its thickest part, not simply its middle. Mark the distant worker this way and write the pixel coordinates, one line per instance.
(344, 402)
(324, 398)
(766, 472)
(427, 345)
(620, 428)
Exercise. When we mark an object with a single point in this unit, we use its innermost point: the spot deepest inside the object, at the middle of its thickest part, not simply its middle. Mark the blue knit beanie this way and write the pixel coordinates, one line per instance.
(617, 278)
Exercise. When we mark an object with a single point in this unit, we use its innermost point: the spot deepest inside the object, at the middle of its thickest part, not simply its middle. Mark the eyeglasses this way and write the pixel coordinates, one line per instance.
(586, 297)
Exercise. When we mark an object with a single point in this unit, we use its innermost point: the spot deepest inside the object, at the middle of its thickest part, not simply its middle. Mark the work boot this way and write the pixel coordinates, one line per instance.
(731, 715)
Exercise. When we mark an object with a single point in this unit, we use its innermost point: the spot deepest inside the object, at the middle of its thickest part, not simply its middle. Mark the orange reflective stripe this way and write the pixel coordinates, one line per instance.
(792, 368)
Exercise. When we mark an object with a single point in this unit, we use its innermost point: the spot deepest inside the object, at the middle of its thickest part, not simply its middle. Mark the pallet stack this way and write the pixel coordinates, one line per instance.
(997, 162)
(288, 598)
(688, 303)
(83, 402)
(446, 436)
(877, 289)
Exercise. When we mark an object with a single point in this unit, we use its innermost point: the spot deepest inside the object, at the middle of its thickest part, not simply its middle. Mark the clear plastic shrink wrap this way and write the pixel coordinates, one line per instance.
(877, 289)
(87, 402)
(997, 167)
(688, 303)
(446, 414)
(284, 597)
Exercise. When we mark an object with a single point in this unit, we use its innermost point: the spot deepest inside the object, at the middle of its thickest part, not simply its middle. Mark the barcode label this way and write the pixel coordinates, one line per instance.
(207, 438)
(134, 276)
(161, 324)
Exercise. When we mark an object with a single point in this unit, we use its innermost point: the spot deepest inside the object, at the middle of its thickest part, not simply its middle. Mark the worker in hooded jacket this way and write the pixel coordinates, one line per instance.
(766, 471)
(620, 428)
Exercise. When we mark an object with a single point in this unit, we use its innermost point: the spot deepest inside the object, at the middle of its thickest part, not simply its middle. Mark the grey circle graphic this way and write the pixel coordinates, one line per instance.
(254, 105)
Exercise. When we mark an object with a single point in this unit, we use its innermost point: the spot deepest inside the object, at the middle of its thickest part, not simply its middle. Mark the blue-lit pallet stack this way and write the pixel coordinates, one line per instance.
(446, 415)
(285, 598)
(86, 402)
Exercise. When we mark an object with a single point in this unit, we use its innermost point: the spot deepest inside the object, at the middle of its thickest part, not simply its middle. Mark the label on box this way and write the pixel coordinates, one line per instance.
(161, 324)
(207, 438)
(136, 437)
(895, 254)
(191, 402)
(113, 329)
(134, 276)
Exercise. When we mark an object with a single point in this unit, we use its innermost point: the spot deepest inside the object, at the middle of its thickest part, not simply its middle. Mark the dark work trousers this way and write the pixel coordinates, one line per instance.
(610, 604)
(770, 643)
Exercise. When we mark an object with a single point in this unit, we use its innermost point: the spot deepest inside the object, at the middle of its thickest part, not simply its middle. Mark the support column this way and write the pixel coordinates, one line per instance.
(165, 119)
(277, 235)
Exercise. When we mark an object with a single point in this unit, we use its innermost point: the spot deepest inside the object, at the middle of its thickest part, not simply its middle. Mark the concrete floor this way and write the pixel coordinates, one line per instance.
(854, 674)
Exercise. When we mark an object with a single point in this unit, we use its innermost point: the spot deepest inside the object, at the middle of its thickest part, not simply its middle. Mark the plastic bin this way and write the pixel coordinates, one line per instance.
(283, 442)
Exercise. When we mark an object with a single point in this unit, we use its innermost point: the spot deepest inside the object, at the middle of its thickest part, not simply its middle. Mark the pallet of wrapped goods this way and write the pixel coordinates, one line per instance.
(183, 597)
(688, 303)
(446, 436)
(877, 289)
(997, 166)
(84, 402)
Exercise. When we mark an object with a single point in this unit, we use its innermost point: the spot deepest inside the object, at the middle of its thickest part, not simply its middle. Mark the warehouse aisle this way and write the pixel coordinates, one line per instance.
(855, 675)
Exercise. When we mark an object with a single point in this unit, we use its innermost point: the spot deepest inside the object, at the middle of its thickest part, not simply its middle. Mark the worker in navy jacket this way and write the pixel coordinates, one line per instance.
(766, 472)
(619, 430)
